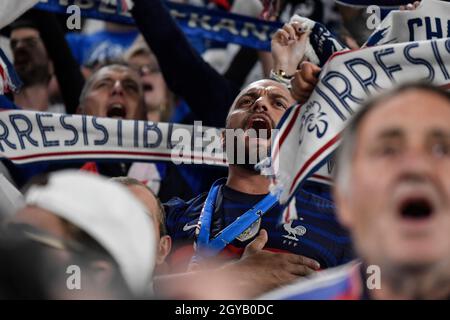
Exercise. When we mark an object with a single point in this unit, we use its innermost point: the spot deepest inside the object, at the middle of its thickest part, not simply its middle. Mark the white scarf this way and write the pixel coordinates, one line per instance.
(431, 20)
(12, 9)
(310, 133)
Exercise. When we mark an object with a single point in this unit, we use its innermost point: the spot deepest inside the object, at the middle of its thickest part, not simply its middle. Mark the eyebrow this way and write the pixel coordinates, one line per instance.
(397, 133)
(109, 78)
(25, 38)
(439, 133)
(105, 78)
(252, 94)
(130, 79)
(390, 134)
(274, 95)
(256, 94)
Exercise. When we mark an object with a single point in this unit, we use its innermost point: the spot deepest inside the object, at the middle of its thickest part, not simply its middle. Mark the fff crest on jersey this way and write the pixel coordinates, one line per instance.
(313, 120)
(250, 232)
(293, 232)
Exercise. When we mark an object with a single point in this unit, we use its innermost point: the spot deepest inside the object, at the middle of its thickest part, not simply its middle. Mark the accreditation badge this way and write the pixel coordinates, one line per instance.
(250, 232)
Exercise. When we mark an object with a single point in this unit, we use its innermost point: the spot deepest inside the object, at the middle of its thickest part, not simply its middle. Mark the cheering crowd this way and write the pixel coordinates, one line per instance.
(378, 227)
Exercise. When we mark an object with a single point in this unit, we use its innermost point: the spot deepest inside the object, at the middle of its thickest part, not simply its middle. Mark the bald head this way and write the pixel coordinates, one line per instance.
(254, 115)
(268, 92)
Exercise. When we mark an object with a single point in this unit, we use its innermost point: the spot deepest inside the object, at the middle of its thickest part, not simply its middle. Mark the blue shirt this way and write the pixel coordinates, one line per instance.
(315, 234)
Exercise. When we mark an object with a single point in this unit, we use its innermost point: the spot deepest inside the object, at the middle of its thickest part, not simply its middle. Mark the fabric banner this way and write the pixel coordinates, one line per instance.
(9, 79)
(431, 20)
(310, 133)
(324, 174)
(30, 137)
(322, 43)
(11, 9)
(381, 3)
(211, 24)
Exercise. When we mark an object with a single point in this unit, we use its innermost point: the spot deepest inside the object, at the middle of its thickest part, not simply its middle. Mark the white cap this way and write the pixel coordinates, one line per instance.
(11, 199)
(109, 213)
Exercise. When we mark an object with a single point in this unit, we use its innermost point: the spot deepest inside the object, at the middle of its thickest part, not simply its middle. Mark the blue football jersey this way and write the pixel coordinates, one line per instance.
(315, 234)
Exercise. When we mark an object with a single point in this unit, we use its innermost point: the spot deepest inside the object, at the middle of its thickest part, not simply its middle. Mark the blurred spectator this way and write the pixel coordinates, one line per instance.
(392, 191)
(66, 84)
(158, 215)
(25, 269)
(159, 101)
(101, 228)
(114, 91)
(32, 65)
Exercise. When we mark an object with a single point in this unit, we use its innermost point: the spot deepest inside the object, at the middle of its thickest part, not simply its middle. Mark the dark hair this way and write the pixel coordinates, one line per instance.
(127, 181)
(23, 23)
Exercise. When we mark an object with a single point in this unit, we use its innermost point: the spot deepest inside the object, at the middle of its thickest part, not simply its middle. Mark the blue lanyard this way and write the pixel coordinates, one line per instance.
(207, 247)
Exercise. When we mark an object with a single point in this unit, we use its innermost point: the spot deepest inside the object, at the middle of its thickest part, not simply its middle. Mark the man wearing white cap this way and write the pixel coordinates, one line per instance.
(163, 241)
(101, 225)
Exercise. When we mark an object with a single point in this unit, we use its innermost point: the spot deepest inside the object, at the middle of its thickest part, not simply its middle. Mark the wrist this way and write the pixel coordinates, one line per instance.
(281, 76)
(288, 68)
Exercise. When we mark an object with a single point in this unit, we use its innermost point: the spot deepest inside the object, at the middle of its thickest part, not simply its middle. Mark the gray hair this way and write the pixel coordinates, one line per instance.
(346, 150)
(117, 65)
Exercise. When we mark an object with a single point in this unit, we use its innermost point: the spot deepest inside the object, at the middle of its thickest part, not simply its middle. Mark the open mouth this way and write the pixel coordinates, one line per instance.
(116, 110)
(21, 58)
(147, 87)
(416, 209)
(261, 125)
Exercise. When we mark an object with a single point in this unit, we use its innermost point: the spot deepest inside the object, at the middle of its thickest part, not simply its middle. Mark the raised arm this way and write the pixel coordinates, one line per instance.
(207, 92)
(67, 70)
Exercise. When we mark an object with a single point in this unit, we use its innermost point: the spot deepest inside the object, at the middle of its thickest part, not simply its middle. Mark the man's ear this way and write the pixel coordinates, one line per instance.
(164, 247)
(343, 207)
(222, 138)
(79, 110)
(51, 68)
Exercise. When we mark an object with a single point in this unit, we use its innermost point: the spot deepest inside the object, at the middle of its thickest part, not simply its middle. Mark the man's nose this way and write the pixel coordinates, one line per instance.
(117, 88)
(17, 44)
(261, 105)
(416, 161)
